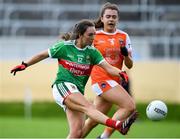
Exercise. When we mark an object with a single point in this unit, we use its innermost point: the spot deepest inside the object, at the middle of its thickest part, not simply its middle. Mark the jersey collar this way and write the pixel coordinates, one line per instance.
(107, 33)
(81, 49)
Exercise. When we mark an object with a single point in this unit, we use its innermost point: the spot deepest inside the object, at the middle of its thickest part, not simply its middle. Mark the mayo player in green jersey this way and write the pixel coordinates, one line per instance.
(76, 58)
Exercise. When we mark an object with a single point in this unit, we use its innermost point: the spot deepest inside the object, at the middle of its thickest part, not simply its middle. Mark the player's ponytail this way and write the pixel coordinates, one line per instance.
(66, 36)
(98, 23)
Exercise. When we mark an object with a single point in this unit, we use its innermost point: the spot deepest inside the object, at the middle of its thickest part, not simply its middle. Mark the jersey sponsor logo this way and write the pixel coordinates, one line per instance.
(111, 41)
(101, 41)
(112, 55)
(103, 85)
(70, 56)
(122, 42)
(75, 68)
(88, 59)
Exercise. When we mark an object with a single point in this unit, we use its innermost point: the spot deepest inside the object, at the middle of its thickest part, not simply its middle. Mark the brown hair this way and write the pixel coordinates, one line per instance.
(108, 5)
(78, 30)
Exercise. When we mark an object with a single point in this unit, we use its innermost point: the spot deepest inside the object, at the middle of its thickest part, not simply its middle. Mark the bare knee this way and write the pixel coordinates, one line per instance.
(76, 130)
(88, 108)
(132, 106)
(75, 133)
(91, 123)
(129, 107)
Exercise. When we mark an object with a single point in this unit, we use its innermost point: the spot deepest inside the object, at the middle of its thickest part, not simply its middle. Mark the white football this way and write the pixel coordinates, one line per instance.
(156, 110)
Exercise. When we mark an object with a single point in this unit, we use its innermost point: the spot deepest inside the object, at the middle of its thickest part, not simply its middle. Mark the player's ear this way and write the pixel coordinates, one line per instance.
(101, 19)
(79, 35)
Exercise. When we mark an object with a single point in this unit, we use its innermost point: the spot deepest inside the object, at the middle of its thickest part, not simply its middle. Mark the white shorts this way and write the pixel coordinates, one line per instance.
(62, 90)
(103, 86)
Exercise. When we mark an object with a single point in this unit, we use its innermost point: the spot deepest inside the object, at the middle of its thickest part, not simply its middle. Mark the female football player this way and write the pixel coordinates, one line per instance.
(76, 58)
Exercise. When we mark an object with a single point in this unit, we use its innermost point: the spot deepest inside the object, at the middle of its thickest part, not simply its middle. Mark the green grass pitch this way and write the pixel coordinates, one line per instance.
(12, 127)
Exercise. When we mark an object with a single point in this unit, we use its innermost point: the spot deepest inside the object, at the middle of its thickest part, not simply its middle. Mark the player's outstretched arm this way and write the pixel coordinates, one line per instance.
(33, 60)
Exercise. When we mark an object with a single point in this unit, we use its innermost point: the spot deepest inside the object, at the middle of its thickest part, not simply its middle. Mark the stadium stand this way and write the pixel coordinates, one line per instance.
(151, 20)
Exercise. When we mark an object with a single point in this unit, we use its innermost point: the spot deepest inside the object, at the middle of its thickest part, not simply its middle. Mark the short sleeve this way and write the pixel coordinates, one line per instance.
(56, 50)
(97, 57)
(128, 44)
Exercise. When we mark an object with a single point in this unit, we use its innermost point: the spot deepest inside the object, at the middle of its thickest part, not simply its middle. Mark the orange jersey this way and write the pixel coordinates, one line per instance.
(109, 46)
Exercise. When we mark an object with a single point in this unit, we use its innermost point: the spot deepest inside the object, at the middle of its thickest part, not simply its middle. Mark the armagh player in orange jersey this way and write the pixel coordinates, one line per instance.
(115, 46)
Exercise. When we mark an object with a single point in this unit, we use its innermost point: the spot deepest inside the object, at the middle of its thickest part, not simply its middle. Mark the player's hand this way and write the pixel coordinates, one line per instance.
(124, 76)
(123, 48)
(19, 68)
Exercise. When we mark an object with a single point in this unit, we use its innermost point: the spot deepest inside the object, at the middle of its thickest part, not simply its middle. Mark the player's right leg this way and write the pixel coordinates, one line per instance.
(78, 102)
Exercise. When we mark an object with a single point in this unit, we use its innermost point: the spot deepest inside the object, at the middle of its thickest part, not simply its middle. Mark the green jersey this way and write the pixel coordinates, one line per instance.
(75, 64)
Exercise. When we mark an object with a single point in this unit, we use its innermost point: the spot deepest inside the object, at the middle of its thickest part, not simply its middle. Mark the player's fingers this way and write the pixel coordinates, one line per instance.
(12, 70)
(14, 73)
(124, 78)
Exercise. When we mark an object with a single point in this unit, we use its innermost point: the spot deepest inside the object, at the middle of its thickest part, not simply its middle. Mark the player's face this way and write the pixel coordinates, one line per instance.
(88, 36)
(110, 20)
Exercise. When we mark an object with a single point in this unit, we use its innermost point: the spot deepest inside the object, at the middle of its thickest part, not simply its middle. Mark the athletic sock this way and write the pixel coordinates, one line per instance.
(112, 123)
(107, 132)
(104, 136)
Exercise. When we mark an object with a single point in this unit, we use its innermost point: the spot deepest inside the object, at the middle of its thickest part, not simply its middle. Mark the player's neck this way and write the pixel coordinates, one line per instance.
(109, 30)
(79, 44)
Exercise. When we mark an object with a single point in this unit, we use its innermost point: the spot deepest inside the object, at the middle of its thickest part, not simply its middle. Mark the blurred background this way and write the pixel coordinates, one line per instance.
(30, 26)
